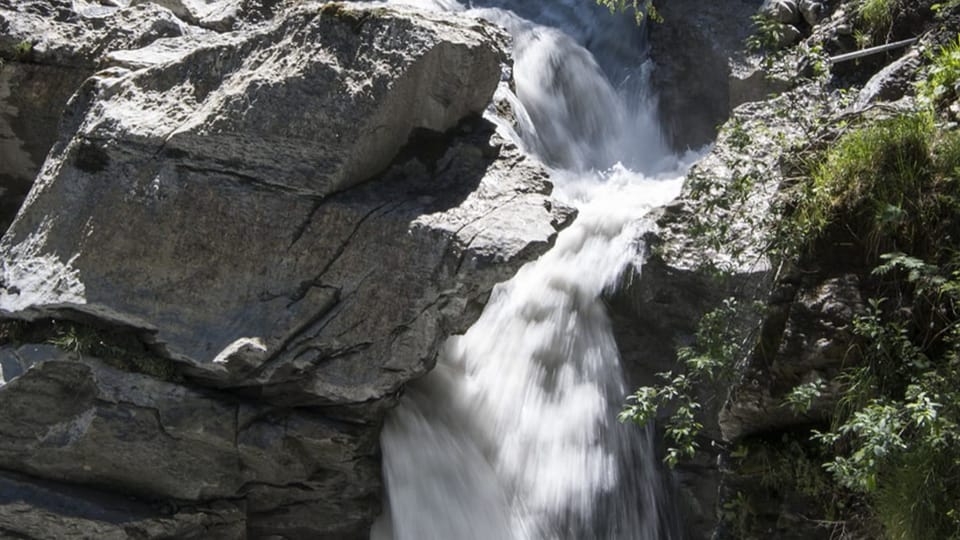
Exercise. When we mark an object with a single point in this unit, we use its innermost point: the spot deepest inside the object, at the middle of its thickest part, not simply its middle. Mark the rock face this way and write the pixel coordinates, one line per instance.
(46, 50)
(711, 245)
(244, 244)
(720, 239)
(699, 50)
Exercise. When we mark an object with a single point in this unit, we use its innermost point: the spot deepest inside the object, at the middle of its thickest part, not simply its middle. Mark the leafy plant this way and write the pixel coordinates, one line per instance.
(801, 398)
(642, 9)
(900, 446)
(738, 512)
(122, 351)
(22, 50)
(943, 8)
(941, 82)
(863, 39)
(711, 358)
(816, 57)
(75, 339)
(768, 34)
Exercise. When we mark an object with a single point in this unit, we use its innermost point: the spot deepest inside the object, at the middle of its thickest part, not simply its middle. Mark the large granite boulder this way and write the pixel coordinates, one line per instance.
(243, 244)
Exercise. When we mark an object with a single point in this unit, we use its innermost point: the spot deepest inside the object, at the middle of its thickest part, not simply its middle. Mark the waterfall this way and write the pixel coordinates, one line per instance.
(514, 435)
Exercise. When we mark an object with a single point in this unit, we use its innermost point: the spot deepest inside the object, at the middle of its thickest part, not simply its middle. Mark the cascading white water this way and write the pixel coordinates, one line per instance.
(514, 435)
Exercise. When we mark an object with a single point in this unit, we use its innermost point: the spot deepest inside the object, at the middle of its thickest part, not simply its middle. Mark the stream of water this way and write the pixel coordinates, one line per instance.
(514, 435)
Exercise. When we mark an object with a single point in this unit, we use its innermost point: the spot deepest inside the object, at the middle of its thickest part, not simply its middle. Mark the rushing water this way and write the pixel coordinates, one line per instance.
(514, 434)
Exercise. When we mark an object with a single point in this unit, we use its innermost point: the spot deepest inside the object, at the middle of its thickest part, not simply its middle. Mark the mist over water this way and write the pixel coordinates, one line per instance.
(514, 435)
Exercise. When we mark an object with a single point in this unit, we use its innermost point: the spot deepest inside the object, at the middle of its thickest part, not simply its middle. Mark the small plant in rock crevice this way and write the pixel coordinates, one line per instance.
(120, 350)
(22, 50)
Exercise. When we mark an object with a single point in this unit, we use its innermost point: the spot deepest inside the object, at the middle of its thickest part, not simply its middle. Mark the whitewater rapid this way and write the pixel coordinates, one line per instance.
(514, 435)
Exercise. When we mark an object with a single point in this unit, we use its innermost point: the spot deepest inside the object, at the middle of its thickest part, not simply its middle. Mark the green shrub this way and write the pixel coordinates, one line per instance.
(941, 81)
(877, 15)
(887, 185)
(119, 349)
(767, 34)
(711, 358)
(896, 438)
(900, 449)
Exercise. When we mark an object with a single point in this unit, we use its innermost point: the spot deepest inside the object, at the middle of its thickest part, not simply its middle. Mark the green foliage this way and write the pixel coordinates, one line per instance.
(900, 446)
(817, 59)
(785, 465)
(642, 9)
(76, 339)
(891, 188)
(863, 39)
(886, 184)
(800, 399)
(22, 50)
(767, 34)
(943, 8)
(711, 358)
(788, 467)
(941, 82)
(877, 15)
(738, 512)
(888, 190)
(913, 503)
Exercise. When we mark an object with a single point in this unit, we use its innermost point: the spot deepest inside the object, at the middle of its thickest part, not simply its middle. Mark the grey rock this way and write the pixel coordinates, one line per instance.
(34, 508)
(32, 97)
(710, 36)
(14, 362)
(890, 83)
(751, 81)
(813, 343)
(65, 47)
(241, 232)
(220, 15)
(812, 11)
(785, 11)
(63, 36)
(286, 221)
(80, 421)
(844, 29)
(788, 35)
(215, 14)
